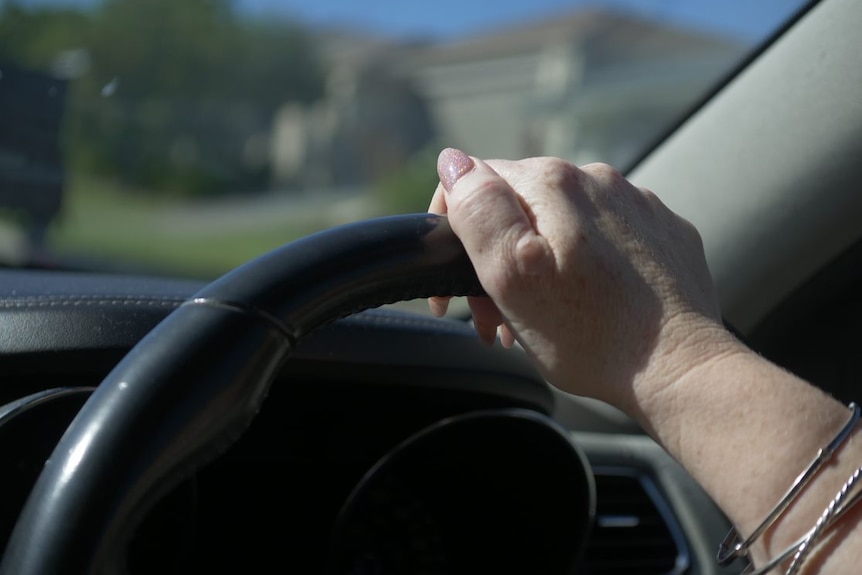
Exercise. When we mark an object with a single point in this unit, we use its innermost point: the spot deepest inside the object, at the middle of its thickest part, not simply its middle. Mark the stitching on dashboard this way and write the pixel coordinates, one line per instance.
(370, 318)
(88, 301)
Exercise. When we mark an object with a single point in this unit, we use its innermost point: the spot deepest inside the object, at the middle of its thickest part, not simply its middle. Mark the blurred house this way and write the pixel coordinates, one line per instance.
(588, 86)
(372, 120)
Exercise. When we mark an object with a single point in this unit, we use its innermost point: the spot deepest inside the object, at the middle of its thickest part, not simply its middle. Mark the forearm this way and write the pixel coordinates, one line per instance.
(609, 293)
(745, 429)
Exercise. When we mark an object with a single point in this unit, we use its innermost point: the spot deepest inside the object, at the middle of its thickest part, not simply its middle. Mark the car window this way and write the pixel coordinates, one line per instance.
(184, 138)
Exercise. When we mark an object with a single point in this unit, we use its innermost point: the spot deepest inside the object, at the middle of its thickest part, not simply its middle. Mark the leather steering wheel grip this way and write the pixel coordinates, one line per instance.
(191, 387)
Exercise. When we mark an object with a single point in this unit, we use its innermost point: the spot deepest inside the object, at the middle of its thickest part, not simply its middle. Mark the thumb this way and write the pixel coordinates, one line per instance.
(493, 223)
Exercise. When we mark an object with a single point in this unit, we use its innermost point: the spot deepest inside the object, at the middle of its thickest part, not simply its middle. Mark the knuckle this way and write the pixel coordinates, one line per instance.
(689, 231)
(649, 195)
(558, 173)
(604, 173)
(521, 261)
(559, 165)
(651, 199)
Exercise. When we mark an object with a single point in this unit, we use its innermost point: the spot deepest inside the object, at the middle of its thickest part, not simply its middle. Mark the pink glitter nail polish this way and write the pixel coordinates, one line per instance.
(451, 165)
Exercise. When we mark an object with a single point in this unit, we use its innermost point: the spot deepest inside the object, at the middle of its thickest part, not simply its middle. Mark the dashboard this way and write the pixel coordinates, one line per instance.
(395, 443)
(389, 442)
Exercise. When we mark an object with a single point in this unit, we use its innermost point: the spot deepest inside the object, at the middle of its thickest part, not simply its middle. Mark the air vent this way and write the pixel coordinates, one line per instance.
(634, 530)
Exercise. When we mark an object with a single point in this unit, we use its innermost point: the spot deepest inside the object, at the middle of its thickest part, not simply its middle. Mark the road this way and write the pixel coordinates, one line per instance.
(329, 207)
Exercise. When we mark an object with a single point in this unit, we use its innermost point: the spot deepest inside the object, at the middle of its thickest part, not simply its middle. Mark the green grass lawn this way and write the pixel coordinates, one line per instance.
(104, 223)
(113, 229)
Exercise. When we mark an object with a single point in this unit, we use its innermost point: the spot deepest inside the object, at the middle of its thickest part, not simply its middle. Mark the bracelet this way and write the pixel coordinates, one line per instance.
(732, 547)
(825, 520)
(836, 509)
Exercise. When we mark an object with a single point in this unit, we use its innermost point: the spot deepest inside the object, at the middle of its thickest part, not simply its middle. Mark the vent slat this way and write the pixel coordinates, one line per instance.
(636, 537)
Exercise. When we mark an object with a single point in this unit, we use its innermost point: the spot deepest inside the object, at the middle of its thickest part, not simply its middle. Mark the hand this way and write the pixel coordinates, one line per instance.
(608, 290)
(599, 281)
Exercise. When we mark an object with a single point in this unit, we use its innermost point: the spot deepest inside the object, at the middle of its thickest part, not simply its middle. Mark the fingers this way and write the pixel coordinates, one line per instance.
(452, 166)
(438, 201)
(501, 247)
(497, 230)
(507, 337)
(497, 226)
(486, 318)
(438, 305)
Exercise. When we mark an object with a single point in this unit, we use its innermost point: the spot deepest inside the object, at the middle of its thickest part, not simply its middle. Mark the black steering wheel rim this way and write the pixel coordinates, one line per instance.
(189, 389)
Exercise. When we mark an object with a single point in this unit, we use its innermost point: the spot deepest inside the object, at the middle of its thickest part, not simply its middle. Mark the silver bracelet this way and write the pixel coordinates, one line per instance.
(732, 548)
(825, 520)
(836, 509)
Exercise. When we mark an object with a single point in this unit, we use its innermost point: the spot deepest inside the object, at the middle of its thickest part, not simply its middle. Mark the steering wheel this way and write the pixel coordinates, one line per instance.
(190, 388)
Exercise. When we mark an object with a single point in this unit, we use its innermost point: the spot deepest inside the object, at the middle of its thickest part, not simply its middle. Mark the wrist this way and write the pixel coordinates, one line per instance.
(690, 347)
(745, 428)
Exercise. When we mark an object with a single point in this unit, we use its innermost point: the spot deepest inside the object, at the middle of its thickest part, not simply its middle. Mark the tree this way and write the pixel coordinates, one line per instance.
(173, 91)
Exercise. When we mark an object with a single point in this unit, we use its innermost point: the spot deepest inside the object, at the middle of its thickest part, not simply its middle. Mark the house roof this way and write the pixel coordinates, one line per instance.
(605, 33)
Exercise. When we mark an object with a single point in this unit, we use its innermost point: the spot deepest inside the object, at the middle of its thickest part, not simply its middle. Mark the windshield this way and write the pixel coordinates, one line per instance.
(186, 137)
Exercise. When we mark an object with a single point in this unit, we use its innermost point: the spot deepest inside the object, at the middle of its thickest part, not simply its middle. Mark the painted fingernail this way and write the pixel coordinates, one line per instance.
(451, 165)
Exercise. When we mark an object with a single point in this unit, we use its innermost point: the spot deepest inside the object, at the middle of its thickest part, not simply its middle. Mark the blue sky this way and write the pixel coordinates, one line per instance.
(746, 19)
(750, 19)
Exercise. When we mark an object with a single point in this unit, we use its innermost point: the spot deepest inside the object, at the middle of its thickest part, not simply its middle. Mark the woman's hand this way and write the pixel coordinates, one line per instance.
(609, 292)
(599, 281)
